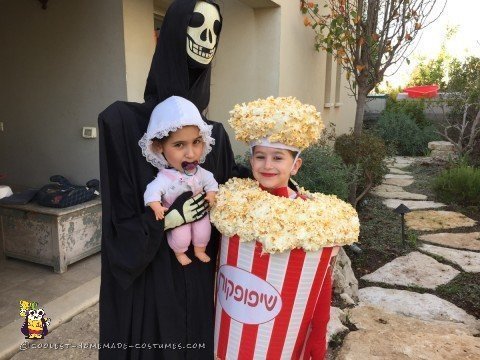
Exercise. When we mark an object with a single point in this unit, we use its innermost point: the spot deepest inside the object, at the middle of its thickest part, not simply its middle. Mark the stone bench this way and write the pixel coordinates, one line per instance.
(442, 150)
(49, 236)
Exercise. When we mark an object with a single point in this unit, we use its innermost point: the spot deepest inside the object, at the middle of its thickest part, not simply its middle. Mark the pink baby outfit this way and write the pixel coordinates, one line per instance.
(166, 187)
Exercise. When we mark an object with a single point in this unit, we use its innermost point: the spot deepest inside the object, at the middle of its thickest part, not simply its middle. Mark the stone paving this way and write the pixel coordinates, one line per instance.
(417, 325)
(414, 269)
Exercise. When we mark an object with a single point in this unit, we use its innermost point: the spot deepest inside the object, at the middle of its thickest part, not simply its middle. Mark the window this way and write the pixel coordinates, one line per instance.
(338, 84)
(328, 82)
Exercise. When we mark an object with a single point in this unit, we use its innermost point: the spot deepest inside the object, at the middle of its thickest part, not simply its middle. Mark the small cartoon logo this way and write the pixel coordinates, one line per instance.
(36, 324)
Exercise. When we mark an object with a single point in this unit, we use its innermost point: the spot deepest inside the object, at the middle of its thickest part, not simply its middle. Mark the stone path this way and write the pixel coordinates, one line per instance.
(417, 325)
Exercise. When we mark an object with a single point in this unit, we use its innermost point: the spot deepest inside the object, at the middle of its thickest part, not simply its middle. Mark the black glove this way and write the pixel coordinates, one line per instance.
(186, 209)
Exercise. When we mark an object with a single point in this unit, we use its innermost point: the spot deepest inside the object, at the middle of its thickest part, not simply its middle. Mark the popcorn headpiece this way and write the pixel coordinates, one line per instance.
(282, 122)
(170, 115)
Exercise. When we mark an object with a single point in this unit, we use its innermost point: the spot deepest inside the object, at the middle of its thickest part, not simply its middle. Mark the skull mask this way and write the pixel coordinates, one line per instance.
(202, 33)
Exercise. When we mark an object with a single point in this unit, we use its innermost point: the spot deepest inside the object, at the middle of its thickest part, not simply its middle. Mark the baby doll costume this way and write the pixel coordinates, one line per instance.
(169, 116)
(274, 279)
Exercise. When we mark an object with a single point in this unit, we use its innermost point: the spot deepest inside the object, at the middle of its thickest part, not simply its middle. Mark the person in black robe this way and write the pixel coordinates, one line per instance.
(152, 307)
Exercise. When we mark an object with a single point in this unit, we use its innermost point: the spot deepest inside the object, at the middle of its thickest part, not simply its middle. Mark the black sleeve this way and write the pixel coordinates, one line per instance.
(130, 233)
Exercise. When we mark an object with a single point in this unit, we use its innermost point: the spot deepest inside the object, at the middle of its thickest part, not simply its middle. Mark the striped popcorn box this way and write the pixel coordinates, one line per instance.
(264, 303)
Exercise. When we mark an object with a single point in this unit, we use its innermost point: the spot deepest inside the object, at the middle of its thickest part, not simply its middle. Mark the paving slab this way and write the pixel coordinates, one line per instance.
(384, 335)
(398, 182)
(398, 171)
(405, 159)
(466, 241)
(413, 269)
(401, 194)
(429, 220)
(469, 261)
(412, 204)
(399, 165)
(387, 188)
(23, 280)
(398, 176)
(425, 307)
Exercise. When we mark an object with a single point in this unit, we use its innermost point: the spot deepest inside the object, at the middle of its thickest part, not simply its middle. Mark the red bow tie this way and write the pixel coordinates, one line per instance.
(281, 191)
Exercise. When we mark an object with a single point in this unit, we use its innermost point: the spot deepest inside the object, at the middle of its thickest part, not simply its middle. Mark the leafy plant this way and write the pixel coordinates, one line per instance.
(404, 134)
(460, 185)
(367, 37)
(324, 171)
(365, 153)
(415, 109)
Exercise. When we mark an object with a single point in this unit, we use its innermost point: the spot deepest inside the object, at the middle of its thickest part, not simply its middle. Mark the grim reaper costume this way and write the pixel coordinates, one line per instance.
(151, 307)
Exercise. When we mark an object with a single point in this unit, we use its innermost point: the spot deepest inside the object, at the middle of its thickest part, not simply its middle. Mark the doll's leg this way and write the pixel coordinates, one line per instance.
(201, 231)
(179, 240)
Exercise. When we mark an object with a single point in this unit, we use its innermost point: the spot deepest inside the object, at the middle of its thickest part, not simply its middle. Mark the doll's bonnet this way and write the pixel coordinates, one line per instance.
(170, 115)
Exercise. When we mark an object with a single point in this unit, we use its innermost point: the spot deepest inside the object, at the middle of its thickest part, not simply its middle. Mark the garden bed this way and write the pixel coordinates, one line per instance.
(380, 240)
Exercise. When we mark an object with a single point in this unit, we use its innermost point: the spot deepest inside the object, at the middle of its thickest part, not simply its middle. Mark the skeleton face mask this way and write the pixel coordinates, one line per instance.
(202, 33)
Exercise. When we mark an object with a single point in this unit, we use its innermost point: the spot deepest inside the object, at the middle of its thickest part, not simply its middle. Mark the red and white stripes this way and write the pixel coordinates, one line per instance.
(250, 322)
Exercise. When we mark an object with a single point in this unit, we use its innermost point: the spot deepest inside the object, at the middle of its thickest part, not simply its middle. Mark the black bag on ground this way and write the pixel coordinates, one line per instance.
(63, 194)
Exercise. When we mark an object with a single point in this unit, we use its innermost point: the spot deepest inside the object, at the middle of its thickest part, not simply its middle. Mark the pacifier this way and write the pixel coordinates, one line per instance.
(189, 166)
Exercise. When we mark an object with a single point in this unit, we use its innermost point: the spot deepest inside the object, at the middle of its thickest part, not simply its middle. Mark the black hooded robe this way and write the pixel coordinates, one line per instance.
(152, 307)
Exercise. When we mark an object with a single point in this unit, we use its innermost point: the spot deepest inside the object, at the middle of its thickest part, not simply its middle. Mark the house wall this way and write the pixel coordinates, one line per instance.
(246, 66)
(139, 45)
(266, 50)
(59, 68)
(303, 70)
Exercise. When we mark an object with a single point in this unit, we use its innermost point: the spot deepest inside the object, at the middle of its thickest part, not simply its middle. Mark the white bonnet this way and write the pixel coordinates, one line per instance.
(171, 115)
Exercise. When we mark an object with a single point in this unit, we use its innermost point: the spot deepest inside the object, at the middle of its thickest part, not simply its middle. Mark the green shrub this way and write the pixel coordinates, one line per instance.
(243, 160)
(365, 153)
(323, 171)
(460, 185)
(401, 132)
(415, 109)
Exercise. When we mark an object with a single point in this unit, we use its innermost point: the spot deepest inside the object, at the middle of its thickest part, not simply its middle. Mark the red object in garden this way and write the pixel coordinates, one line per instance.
(424, 91)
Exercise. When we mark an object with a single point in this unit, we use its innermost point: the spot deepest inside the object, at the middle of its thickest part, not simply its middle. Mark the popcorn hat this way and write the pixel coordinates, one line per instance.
(282, 122)
(170, 115)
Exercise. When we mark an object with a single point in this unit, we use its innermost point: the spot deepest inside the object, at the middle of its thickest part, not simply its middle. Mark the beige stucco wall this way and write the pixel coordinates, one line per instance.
(266, 50)
(246, 65)
(302, 69)
(59, 68)
(139, 45)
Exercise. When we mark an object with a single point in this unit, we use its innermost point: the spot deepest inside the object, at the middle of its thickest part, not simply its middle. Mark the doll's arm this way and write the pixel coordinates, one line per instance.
(158, 209)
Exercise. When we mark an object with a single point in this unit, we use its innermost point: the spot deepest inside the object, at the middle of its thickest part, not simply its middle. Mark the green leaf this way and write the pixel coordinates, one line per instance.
(407, 60)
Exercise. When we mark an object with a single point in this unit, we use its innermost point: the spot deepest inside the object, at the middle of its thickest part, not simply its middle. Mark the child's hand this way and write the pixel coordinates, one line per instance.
(210, 197)
(158, 209)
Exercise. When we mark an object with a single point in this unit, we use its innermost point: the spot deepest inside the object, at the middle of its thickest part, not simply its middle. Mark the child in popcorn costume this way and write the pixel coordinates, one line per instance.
(281, 222)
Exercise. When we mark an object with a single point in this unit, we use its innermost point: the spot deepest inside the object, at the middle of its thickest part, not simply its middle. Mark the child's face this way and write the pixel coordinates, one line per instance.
(185, 144)
(273, 167)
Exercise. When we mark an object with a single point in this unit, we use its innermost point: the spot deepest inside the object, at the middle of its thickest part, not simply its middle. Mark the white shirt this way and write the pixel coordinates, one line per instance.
(170, 183)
